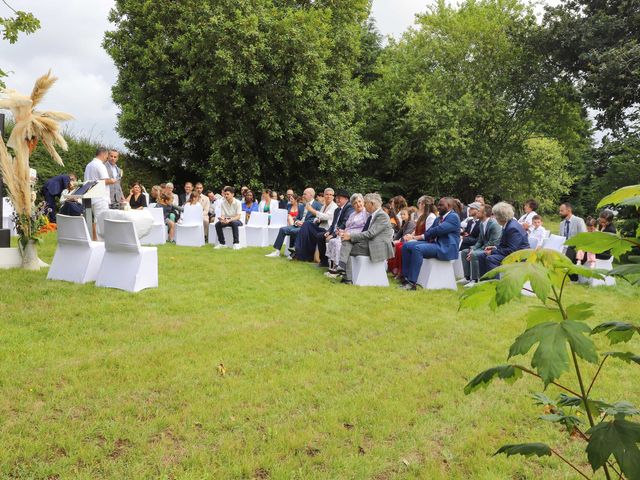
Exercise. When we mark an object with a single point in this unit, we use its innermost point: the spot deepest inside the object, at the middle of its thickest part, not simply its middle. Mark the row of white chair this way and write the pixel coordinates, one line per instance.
(120, 262)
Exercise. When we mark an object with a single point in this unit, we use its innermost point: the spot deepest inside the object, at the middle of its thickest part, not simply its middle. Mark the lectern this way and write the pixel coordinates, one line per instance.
(84, 193)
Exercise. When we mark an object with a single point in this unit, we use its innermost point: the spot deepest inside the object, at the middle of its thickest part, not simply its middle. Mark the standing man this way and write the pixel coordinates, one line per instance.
(95, 171)
(230, 212)
(53, 188)
(570, 226)
(115, 190)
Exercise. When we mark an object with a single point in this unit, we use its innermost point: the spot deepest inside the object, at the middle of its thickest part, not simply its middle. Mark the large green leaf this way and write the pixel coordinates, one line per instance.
(620, 195)
(579, 311)
(631, 202)
(598, 242)
(569, 421)
(484, 293)
(542, 399)
(509, 373)
(515, 275)
(619, 438)
(537, 315)
(621, 409)
(551, 358)
(624, 356)
(617, 331)
(630, 272)
(526, 449)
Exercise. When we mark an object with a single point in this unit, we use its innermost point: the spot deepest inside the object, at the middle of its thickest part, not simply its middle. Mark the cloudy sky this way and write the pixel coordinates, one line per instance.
(69, 42)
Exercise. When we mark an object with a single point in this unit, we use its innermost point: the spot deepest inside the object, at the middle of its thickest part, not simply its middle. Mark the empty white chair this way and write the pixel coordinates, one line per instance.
(77, 258)
(278, 219)
(437, 274)
(190, 232)
(257, 230)
(554, 242)
(608, 281)
(158, 233)
(126, 265)
(7, 219)
(458, 271)
(366, 273)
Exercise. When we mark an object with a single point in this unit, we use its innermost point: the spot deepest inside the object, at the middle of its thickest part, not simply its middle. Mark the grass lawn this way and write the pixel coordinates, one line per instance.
(323, 381)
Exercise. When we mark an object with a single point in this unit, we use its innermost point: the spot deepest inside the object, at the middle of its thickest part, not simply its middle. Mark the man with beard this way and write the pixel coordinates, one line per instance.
(570, 226)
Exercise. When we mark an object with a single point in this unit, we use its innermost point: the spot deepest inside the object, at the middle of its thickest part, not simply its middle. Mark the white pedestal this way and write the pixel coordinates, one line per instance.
(10, 258)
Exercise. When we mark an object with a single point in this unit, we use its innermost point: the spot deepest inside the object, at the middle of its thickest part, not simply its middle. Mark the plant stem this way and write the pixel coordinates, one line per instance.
(604, 359)
(569, 463)
(531, 372)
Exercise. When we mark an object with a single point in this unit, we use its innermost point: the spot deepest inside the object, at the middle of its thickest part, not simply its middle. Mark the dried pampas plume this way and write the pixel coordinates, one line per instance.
(31, 125)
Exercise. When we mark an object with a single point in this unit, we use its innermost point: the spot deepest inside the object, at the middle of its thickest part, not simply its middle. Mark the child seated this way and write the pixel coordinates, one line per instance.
(538, 232)
(580, 254)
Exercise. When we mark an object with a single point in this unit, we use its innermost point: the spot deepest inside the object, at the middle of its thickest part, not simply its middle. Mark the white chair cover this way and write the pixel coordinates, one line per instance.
(437, 274)
(533, 243)
(158, 233)
(190, 232)
(77, 258)
(278, 219)
(126, 265)
(257, 230)
(228, 234)
(458, 270)
(366, 273)
(7, 220)
(608, 281)
(554, 242)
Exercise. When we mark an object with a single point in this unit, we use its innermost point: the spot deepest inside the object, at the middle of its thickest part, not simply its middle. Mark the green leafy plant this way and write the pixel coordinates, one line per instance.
(561, 342)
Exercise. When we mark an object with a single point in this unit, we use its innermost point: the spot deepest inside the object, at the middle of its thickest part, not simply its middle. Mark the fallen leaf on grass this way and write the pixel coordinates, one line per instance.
(221, 370)
(348, 426)
(312, 451)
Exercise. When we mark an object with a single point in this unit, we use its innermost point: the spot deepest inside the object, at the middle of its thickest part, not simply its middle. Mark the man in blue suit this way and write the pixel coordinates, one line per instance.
(514, 237)
(53, 188)
(304, 216)
(441, 241)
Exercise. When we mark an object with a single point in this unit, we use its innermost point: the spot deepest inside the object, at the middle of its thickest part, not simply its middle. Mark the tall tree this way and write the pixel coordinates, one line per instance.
(598, 44)
(241, 91)
(461, 101)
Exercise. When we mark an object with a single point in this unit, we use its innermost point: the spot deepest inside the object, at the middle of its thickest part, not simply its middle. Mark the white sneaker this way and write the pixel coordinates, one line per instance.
(236, 246)
(218, 247)
(470, 284)
(462, 281)
(275, 253)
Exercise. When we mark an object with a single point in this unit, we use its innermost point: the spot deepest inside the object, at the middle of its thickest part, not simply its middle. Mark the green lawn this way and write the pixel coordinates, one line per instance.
(323, 381)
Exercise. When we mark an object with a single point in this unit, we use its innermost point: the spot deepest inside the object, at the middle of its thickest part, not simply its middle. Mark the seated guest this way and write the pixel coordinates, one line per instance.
(426, 216)
(471, 229)
(155, 194)
(537, 231)
(307, 239)
(340, 216)
(274, 196)
(590, 260)
(243, 192)
(249, 204)
(53, 188)
(304, 216)
(193, 199)
(407, 226)
(293, 208)
(396, 204)
(354, 224)
(526, 220)
(374, 241)
(283, 204)
(570, 226)
(205, 203)
(168, 189)
(440, 241)
(267, 204)
(184, 197)
(460, 209)
(393, 217)
(230, 213)
(489, 236)
(136, 199)
(513, 238)
(170, 212)
(211, 211)
(605, 224)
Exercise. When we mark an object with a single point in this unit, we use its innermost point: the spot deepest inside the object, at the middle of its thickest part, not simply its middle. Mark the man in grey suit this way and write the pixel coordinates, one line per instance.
(115, 172)
(489, 236)
(570, 226)
(375, 240)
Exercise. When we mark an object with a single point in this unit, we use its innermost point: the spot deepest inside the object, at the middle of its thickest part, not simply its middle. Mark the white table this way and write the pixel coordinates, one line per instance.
(142, 220)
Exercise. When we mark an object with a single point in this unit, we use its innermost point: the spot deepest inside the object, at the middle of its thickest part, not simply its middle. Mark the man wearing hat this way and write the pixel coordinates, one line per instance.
(307, 239)
(340, 216)
(471, 230)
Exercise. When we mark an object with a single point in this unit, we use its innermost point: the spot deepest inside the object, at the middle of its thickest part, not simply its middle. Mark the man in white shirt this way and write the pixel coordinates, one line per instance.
(230, 213)
(307, 239)
(95, 171)
(115, 172)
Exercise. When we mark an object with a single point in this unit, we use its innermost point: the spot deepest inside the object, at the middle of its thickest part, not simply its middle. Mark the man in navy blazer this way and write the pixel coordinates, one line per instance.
(441, 241)
(53, 188)
(514, 237)
(340, 217)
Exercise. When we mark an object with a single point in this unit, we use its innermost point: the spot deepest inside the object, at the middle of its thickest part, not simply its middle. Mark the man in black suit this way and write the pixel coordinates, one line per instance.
(184, 197)
(53, 188)
(471, 230)
(340, 217)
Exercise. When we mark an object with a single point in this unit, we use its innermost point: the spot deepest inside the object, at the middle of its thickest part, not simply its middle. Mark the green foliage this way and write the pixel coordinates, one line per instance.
(236, 91)
(12, 26)
(526, 449)
(560, 333)
(464, 103)
(509, 373)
